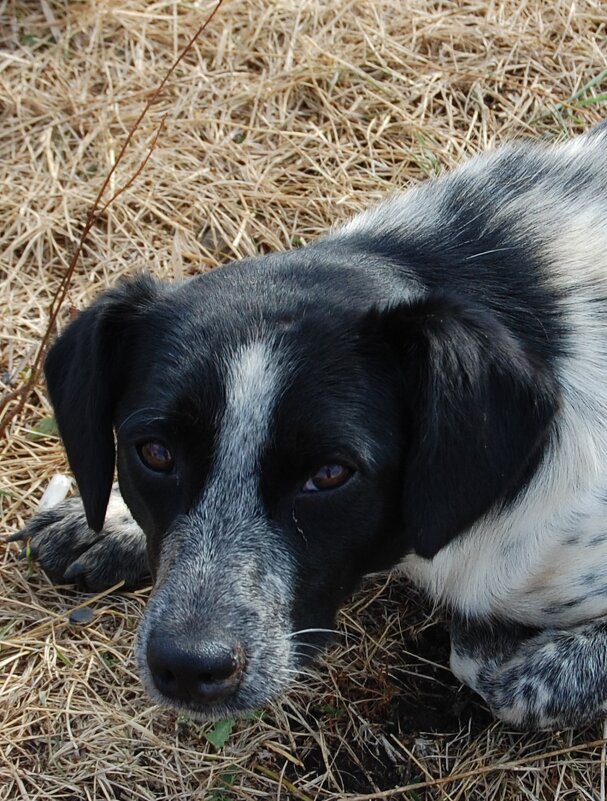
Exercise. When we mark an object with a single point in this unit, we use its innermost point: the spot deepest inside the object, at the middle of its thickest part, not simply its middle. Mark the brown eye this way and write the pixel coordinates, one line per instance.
(155, 456)
(329, 476)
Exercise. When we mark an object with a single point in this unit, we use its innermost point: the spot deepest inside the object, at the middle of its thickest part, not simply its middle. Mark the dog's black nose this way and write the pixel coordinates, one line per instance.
(202, 673)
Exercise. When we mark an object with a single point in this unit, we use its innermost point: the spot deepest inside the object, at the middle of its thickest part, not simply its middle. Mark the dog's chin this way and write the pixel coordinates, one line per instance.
(254, 693)
(257, 689)
(208, 713)
(239, 705)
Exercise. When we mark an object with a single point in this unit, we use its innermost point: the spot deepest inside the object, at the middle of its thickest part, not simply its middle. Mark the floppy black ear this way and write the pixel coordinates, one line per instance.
(479, 409)
(85, 372)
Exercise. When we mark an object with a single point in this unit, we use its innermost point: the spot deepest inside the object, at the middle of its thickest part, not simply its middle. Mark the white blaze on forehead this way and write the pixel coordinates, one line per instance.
(251, 391)
(230, 511)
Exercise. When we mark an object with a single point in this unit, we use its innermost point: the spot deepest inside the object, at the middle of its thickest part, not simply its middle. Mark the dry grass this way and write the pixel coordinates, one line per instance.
(287, 116)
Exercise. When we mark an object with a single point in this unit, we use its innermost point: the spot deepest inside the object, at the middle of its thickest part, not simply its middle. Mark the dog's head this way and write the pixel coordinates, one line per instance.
(284, 426)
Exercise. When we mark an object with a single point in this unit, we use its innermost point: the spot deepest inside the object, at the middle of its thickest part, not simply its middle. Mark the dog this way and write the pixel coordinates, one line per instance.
(424, 387)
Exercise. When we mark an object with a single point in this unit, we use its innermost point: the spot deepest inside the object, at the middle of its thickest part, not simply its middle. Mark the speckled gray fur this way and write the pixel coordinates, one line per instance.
(69, 551)
(534, 679)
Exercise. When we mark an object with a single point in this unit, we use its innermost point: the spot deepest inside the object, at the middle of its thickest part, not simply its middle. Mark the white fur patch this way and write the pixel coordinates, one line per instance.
(232, 493)
(252, 389)
(543, 561)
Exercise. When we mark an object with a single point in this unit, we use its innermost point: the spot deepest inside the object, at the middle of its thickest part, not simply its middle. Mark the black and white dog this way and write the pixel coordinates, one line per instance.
(426, 386)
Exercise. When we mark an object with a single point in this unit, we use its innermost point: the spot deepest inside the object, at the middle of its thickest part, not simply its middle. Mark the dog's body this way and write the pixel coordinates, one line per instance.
(426, 386)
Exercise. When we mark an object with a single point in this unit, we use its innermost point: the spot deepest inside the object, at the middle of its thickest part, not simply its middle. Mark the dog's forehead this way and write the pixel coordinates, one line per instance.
(282, 344)
(207, 320)
(317, 282)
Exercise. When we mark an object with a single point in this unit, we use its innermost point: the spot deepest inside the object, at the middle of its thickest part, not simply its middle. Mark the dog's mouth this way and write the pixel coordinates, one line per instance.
(233, 687)
(211, 680)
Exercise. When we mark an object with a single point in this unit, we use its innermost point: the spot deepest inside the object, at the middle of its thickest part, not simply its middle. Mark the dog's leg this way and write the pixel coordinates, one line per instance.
(69, 551)
(548, 679)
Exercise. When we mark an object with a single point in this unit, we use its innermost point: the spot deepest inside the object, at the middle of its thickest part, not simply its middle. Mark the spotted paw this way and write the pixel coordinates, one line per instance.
(68, 551)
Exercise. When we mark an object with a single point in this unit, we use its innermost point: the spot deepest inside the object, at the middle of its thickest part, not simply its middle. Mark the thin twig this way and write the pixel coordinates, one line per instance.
(23, 392)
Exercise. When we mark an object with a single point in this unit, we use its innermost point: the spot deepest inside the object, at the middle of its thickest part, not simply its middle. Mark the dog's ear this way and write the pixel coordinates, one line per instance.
(479, 411)
(85, 372)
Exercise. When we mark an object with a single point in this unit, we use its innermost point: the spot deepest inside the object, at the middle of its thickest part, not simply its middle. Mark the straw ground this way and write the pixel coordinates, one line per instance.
(285, 118)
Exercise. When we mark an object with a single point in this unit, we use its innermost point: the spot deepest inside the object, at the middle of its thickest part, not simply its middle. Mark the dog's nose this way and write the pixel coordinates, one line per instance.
(203, 673)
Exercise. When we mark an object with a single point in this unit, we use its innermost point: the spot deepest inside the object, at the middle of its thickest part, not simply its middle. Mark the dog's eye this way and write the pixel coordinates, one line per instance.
(155, 456)
(329, 476)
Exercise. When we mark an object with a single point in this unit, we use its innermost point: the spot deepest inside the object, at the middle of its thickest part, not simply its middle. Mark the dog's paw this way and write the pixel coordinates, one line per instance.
(70, 552)
(544, 679)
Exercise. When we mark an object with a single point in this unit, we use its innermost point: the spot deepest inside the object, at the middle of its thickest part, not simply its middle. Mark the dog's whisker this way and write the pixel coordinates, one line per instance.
(313, 631)
(319, 649)
(160, 414)
(294, 672)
